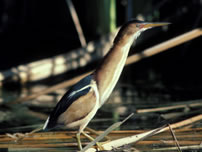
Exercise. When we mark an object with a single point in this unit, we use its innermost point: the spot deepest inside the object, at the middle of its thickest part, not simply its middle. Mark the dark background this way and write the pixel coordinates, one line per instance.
(35, 29)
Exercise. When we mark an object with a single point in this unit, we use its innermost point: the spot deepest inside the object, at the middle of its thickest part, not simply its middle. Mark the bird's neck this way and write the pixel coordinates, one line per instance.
(109, 71)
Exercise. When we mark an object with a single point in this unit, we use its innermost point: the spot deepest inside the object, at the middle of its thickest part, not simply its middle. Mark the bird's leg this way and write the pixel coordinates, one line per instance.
(79, 140)
(92, 139)
(95, 132)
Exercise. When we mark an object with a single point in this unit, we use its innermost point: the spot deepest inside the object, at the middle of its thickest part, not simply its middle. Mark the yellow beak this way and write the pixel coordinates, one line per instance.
(150, 25)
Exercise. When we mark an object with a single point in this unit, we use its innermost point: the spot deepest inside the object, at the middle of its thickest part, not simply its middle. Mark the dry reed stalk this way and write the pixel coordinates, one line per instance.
(62, 139)
(76, 23)
(165, 45)
(135, 138)
(175, 138)
(105, 133)
(195, 133)
(50, 89)
(63, 143)
(177, 106)
(193, 147)
(184, 122)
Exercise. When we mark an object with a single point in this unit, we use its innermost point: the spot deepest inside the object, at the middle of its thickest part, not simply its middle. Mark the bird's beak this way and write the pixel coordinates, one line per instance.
(150, 25)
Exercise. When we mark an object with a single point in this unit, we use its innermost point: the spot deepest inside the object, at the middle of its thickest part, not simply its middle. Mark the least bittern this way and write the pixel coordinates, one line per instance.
(79, 105)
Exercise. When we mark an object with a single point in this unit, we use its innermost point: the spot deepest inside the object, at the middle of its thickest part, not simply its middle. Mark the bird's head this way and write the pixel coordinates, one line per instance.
(132, 29)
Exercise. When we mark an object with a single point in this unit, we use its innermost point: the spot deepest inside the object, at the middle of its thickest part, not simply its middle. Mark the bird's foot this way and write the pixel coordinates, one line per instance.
(17, 136)
(96, 133)
(20, 136)
(99, 146)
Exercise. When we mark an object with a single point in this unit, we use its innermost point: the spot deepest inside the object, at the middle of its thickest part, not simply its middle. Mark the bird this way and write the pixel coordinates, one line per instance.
(81, 102)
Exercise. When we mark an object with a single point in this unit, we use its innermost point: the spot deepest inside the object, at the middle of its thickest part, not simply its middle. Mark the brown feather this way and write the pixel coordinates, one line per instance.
(79, 109)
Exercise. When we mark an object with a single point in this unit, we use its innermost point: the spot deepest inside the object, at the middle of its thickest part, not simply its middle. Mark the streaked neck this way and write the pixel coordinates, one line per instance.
(108, 73)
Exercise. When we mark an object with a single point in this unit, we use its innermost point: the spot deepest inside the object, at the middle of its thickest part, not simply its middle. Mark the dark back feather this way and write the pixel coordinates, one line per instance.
(69, 97)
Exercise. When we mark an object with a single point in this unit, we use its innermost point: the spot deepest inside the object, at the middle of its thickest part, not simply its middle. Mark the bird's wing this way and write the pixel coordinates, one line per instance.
(79, 89)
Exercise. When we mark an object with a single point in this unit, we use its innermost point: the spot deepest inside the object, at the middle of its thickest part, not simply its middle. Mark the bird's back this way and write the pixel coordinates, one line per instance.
(75, 92)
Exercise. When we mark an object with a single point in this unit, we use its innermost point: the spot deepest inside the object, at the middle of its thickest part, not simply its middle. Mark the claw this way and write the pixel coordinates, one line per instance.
(17, 136)
(99, 145)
